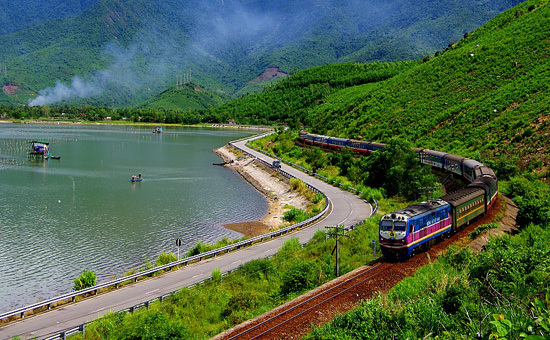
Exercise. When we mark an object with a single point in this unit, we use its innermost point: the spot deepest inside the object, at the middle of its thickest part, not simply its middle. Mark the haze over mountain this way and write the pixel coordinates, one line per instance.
(115, 53)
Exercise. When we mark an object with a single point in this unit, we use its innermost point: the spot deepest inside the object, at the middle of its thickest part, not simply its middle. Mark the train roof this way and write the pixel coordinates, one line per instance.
(471, 163)
(435, 153)
(454, 157)
(420, 208)
(462, 196)
(485, 171)
(339, 138)
(484, 182)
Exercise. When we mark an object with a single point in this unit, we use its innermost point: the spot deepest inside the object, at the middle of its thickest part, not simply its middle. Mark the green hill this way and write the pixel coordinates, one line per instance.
(188, 96)
(118, 53)
(485, 96)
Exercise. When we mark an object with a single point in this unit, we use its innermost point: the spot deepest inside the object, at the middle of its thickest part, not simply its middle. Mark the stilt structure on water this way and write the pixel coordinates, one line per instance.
(39, 149)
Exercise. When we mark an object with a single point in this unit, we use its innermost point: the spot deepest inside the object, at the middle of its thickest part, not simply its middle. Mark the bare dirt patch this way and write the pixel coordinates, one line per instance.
(275, 187)
(10, 88)
(269, 73)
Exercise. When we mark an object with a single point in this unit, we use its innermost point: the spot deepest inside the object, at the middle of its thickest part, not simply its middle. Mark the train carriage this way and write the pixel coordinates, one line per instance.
(490, 185)
(374, 146)
(469, 169)
(466, 205)
(405, 231)
(338, 143)
(432, 158)
(453, 163)
(358, 146)
(320, 140)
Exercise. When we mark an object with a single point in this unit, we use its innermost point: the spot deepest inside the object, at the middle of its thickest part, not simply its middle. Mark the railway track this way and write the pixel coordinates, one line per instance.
(285, 321)
(295, 318)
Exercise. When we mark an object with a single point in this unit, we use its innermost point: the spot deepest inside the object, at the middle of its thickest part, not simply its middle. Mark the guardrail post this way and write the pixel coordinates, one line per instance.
(147, 304)
(83, 329)
(63, 335)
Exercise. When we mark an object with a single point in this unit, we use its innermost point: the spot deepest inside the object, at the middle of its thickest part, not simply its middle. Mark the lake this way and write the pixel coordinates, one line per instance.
(58, 217)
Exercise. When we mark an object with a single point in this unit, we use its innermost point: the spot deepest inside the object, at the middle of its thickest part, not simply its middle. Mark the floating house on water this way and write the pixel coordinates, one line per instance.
(39, 149)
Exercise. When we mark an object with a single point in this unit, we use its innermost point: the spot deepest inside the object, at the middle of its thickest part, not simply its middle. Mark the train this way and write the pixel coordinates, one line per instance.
(416, 228)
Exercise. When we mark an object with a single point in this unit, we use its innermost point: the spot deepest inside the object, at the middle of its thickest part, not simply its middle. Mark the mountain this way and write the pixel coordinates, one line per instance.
(485, 96)
(117, 53)
(24, 14)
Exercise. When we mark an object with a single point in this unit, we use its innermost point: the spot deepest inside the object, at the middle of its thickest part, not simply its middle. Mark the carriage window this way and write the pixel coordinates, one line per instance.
(386, 225)
(400, 226)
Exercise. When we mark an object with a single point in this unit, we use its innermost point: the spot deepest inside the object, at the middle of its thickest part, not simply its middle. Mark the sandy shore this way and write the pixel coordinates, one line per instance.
(275, 187)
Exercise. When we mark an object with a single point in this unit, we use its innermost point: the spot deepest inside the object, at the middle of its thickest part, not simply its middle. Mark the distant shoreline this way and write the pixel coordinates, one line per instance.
(120, 122)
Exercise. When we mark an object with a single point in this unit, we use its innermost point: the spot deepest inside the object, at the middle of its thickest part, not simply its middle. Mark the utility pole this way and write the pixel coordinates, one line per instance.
(337, 235)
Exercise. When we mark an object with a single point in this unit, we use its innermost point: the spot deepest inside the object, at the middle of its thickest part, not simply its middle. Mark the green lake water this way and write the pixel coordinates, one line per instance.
(58, 217)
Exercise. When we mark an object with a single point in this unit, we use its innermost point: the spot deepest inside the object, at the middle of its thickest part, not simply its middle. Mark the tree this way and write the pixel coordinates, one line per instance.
(396, 168)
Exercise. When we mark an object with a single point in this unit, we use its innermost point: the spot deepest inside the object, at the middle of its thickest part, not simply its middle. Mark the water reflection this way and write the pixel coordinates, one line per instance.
(58, 217)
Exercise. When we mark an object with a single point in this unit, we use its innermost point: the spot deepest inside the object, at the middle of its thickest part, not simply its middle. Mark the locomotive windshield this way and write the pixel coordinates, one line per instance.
(386, 225)
(400, 226)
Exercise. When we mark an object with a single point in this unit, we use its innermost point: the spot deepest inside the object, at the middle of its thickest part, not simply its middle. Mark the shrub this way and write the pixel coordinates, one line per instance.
(216, 275)
(299, 277)
(165, 258)
(86, 279)
(295, 215)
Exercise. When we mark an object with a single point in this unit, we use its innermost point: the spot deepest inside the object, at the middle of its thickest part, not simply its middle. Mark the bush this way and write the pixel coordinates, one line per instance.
(165, 258)
(295, 215)
(86, 279)
(217, 275)
(299, 277)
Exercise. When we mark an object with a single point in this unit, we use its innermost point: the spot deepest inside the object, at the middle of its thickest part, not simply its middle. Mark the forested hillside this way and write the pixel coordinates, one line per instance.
(485, 96)
(118, 53)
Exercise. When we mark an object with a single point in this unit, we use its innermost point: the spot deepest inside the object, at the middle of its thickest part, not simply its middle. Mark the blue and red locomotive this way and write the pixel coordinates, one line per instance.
(407, 231)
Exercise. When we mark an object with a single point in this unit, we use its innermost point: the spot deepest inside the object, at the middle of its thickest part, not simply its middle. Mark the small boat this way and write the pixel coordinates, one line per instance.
(55, 157)
(158, 129)
(137, 178)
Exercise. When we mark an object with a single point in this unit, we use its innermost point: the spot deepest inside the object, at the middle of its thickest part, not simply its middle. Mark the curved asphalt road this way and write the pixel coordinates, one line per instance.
(347, 209)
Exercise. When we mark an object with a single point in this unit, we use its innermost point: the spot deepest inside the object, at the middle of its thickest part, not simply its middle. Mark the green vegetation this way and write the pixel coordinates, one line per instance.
(479, 230)
(134, 49)
(86, 279)
(501, 293)
(484, 97)
(258, 286)
(188, 97)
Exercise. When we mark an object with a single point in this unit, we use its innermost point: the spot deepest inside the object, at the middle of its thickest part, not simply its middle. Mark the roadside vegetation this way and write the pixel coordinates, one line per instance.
(224, 301)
